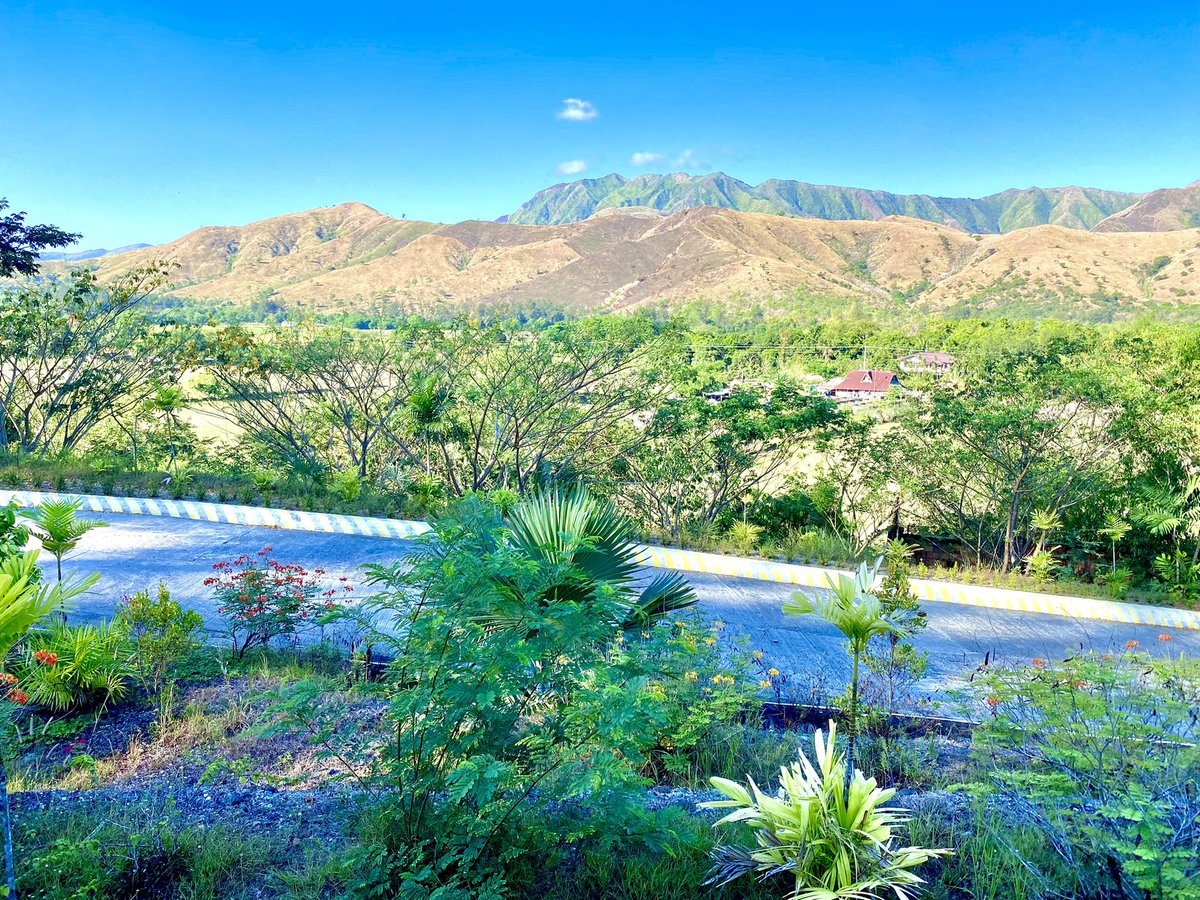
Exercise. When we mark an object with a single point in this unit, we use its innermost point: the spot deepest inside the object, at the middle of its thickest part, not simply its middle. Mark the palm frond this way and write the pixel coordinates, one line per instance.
(667, 594)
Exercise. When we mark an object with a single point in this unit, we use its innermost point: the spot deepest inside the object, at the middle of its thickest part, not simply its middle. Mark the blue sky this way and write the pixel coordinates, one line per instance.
(141, 121)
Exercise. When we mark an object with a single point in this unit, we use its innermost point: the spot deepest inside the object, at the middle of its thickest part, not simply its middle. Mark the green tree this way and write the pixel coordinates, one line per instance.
(21, 243)
(898, 662)
(697, 459)
(74, 353)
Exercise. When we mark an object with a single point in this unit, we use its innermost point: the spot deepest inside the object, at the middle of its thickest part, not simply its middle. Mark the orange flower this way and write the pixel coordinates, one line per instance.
(993, 701)
(1080, 684)
(17, 696)
(46, 658)
(1131, 645)
(1164, 637)
(6, 679)
(1039, 663)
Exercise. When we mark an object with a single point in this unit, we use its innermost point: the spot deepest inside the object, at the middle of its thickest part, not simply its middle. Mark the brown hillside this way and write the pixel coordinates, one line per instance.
(1165, 210)
(350, 256)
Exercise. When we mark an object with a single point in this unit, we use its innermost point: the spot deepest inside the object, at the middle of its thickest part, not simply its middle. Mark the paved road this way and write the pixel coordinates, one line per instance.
(135, 553)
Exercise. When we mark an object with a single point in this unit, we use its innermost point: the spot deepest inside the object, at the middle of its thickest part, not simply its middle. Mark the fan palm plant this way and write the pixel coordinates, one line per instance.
(852, 608)
(831, 833)
(59, 528)
(594, 545)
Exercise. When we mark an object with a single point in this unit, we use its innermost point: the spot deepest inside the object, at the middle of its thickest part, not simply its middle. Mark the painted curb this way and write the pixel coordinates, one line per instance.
(658, 557)
(229, 514)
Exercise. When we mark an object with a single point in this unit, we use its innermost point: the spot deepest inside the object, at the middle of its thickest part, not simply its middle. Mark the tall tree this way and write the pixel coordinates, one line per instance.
(21, 243)
(74, 353)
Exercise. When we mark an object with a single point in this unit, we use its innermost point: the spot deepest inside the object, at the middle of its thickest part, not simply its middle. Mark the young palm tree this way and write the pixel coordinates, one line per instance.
(1115, 528)
(597, 545)
(852, 608)
(59, 528)
(1044, 521)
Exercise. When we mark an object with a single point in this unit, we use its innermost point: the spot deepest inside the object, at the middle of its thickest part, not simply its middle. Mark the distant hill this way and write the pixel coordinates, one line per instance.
(1165, 210)
(77, 255)
(350, 257)
(1069, 207)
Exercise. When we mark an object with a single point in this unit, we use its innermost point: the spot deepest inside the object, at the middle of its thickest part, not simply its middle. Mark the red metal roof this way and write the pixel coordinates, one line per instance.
(876, 380)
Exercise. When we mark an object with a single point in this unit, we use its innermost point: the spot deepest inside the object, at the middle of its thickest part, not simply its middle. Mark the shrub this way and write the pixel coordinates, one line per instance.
(77, 666)
(262, 599)
(514, 688)
(162, 633)
(744, 536)
(1101, 749)
(832, 841)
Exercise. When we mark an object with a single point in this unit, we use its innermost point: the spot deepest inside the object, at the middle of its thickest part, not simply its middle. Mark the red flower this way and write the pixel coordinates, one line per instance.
(17, 696)
(46, 658)
(993, 701)
(1039, 663)
(1164, 637)
(6, 679)
(1131, 645)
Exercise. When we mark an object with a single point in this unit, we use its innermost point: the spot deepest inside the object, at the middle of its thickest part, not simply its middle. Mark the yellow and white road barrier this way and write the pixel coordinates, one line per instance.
(658, 557)
(230, 514)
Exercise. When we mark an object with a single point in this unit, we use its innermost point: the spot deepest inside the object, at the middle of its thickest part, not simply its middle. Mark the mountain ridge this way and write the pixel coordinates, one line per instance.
(351, 257)
(1009, 210)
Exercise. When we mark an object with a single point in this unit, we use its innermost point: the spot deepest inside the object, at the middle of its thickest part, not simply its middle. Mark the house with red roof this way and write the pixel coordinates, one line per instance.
(866, 384)
(932, 362)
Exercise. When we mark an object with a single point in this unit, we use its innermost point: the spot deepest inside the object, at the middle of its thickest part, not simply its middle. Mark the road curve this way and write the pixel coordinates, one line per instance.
(134, 553)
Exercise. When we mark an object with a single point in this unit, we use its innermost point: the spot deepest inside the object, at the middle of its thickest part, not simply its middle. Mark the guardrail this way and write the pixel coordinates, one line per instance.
(659, 557)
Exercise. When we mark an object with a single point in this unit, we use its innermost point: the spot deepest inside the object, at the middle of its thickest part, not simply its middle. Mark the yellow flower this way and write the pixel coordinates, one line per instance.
(718, 625)
(708, 690)
(681, 624)
(691, 676)
(646, 635)
(620, 638)
(757, 654)
(774, 673)
(765, 684)
(716, 679)
(710, 641)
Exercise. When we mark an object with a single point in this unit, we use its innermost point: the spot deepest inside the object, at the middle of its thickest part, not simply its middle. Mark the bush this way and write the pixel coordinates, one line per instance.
(262, 599)
(77, 666)
(1102, 752)
(162, 633)
(832, 840)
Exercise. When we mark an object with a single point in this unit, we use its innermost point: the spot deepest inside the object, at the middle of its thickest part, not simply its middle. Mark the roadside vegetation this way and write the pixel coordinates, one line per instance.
(1051, 456)
(511, 712)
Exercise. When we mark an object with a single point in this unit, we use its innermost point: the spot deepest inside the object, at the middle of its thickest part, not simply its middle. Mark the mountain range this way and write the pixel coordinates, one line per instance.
(1069, 207)
(351, 257)
(77, 255)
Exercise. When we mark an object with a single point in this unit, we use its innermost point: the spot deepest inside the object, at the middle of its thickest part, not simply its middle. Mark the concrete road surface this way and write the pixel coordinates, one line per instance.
(134, 553)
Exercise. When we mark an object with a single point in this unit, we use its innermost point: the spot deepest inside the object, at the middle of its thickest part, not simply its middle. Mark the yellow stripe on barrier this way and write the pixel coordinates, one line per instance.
(657, 557)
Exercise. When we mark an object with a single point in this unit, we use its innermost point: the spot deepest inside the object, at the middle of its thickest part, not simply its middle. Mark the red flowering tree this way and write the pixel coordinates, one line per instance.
(261, 598)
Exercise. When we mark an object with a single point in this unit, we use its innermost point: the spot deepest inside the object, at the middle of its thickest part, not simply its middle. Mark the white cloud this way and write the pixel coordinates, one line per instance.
(576, 110)
(646, 159)
(571, 167)
(689, 160)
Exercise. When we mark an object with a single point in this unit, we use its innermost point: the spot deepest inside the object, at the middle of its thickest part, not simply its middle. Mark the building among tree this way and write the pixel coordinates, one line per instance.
(931, 362)
(866, 384)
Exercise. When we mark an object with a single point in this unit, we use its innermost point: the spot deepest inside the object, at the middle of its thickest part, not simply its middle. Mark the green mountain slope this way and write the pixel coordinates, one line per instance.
(1070, 207)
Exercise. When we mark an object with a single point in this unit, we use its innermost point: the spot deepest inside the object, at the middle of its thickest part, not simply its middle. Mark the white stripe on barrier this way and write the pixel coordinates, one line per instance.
(658, 557)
